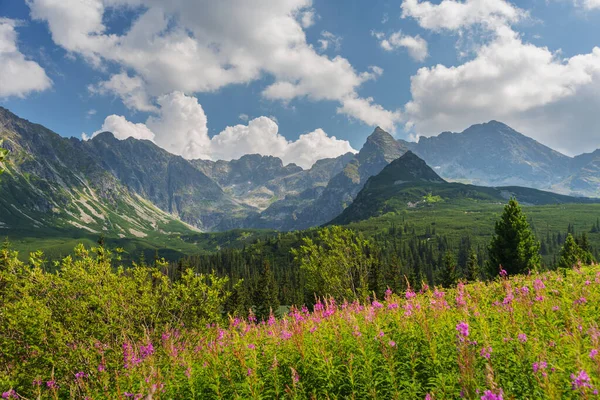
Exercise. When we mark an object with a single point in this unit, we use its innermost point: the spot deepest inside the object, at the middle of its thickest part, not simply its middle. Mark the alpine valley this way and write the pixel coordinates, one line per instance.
(59, 191)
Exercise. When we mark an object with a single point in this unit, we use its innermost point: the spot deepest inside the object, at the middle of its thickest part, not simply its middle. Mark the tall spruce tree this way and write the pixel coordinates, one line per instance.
(266, 297)
(472, 266)
(513, 245)
(448, 276)
(570, 254)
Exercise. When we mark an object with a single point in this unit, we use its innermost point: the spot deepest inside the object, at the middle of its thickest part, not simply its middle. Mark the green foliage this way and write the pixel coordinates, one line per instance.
(3, 154)
(473, 273)
(449, 275)
(337, 264)
(432, 199)
(266, 294)
(575, 252)
(513, 246)
(51, 321)
(87, 332)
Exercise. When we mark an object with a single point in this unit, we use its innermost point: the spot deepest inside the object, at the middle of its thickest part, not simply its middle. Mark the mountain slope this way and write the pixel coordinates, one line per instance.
(379, 150)
(493, 154)
(409, 183)
(53, 187)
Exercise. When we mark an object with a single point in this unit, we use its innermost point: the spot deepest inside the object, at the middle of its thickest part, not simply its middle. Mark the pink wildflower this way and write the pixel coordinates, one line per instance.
(522, 337)
(580, 381)
(463, 328)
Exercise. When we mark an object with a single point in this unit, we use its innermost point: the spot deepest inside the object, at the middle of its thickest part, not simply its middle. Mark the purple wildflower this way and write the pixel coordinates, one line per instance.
(522, 337)
(52, 384)
(489, 395)
(11, 394)
(376, 304)
(580, 381)
(80, 375)
(146, 351)
(593, 353)
(251, 346)
(463, 328)
(486, 352)
(392, 343)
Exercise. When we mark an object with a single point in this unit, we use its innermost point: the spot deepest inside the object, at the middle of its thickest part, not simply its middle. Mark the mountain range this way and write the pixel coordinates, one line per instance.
(134, 188)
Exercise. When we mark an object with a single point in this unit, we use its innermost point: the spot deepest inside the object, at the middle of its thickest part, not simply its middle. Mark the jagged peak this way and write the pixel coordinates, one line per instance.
(104, 136)
(407, 168)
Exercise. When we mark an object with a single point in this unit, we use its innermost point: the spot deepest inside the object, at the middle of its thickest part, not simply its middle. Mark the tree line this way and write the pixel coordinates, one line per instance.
(296, 268)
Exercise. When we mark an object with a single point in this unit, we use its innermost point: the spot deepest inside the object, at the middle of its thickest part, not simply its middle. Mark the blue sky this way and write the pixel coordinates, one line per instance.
(262, 77)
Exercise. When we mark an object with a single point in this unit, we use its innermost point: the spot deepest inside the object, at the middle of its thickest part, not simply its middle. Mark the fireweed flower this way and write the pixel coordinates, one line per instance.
(376, 304)
(522, 337)
(538, 285)
(11, 394)
(410, 294)
(486, 352)
(251, 346)
(146, 351)
(581, 300)
(580, 381)
(463, 328)
(489, 395)
(392, 343)
(503, 274)
(52, 384)
(80, 375)
(593, 353)
(540, 367)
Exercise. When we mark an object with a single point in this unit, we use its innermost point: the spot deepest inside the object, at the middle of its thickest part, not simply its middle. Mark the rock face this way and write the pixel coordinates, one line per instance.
(56, 183)
(125, 186)
(409, 182)
(379, 150)
(493, 154)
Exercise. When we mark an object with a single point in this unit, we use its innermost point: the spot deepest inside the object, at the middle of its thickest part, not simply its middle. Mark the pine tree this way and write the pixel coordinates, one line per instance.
(448, 276)
(513, 245)
(472, 266)
(570, 254)
(266, 296)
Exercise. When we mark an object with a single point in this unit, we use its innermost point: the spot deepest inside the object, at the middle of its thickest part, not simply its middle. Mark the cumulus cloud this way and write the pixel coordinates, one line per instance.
(454, 15)
(372, 114)
(527, 86)
(329, 40)
(121, 128)
(180, 127)
(415, 45)
(18, 75)
(201, 46)
(131, 90)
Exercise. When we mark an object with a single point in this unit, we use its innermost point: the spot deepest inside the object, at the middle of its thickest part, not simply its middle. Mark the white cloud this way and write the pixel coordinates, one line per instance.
(131, 90)
(181, 128)
(18, 76)
(243, 117)
(122, 129)
(371, 114)
(526, 86)
(415, 45)
(307, 18)
(330, 41)
(455, 15)
(201, 46)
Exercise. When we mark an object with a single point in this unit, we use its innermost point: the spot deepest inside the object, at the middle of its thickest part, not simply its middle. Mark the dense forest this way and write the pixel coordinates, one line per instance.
(267, 273)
